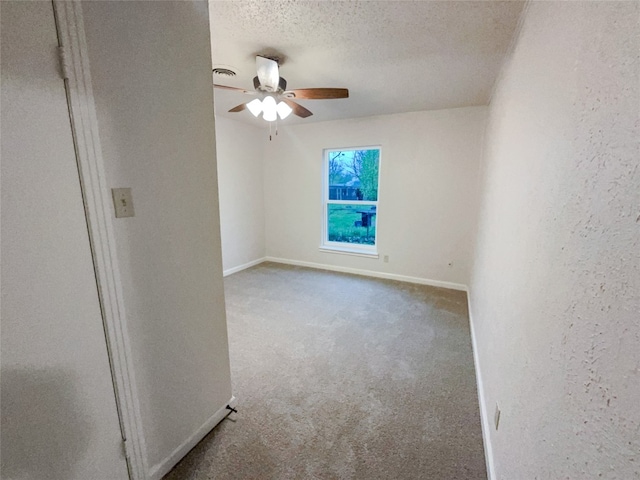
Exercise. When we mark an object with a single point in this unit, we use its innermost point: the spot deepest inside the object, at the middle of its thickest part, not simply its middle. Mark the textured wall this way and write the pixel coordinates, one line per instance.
(239, 150)
(556, 285)
(58, 410)
(427, 198)
(151, 69)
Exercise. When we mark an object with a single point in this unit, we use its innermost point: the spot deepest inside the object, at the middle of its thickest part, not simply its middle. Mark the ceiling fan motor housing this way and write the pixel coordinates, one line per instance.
(282, 86)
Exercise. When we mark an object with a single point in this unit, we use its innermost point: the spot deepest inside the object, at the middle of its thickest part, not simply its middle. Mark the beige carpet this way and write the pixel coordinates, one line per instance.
(344, 377)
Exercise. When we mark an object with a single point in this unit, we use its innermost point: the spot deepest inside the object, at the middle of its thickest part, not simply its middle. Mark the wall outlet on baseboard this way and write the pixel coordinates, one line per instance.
(386, 259)
(496, 417)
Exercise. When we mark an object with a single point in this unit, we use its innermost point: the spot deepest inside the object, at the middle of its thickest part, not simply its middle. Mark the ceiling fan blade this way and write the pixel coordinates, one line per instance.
(268, 73)
(298, 109)
(318, 93)
(238, 108)
(235, 89)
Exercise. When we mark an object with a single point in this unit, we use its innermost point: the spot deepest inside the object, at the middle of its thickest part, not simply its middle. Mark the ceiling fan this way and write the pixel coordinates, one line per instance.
(274, 100)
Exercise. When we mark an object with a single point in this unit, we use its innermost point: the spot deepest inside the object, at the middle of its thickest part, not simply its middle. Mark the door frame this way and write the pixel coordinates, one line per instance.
(98, 211)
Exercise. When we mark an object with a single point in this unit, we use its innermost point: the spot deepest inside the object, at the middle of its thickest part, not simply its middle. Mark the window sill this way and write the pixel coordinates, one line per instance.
(349, 251)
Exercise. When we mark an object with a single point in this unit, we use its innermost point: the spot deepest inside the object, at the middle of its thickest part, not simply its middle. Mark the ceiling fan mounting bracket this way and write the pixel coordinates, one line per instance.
(279, 59)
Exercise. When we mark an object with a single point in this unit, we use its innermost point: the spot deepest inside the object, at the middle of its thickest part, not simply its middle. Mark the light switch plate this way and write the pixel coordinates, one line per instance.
(123, 202)
(496, 417)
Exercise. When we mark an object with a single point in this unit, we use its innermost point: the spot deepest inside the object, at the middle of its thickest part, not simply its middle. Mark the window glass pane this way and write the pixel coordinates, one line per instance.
(353, 175)
(352, 223)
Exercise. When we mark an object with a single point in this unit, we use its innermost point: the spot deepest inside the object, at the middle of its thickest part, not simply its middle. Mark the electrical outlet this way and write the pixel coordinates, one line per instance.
(122, 202)
(386, 259)
(496, 417)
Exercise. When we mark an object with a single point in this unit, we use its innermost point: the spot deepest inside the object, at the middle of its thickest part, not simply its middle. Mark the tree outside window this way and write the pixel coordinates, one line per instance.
(351, 197)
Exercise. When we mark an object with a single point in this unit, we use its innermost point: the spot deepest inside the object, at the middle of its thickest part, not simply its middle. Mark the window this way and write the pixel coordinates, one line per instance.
(351, 199)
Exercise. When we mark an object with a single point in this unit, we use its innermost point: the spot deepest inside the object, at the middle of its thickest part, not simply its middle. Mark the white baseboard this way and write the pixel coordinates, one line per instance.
(484, 413)
(244, 266)
(370, 273)
(161, 469)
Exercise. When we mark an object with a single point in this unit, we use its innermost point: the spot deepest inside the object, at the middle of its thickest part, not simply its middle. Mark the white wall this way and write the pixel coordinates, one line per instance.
(240, 170)
(555, 293)
(427, 197)
(151, 68)
(58, 417)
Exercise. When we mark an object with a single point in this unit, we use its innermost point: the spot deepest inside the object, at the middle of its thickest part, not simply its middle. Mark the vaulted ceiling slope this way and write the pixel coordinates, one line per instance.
(393, 56)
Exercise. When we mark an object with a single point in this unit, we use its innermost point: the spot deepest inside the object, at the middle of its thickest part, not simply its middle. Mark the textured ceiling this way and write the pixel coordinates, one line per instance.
(393, 56)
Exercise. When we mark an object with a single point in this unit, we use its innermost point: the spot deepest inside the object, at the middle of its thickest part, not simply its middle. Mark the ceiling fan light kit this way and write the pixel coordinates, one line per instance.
(276, 99)
(284, 110)
(269, 108)
(255, 107)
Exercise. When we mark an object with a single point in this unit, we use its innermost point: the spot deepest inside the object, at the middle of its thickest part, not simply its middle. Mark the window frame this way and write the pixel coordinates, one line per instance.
(343, 247)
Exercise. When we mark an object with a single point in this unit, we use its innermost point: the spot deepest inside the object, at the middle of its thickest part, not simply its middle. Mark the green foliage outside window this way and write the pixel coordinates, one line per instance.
(352, 196)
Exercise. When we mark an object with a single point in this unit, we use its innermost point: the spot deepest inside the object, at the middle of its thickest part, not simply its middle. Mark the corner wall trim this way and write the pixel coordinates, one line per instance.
(484, 414)
(161, 469)
(371, 273)
(244, 266)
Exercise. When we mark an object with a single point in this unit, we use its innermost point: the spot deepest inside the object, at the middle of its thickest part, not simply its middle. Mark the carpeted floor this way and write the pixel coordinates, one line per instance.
(344, 377)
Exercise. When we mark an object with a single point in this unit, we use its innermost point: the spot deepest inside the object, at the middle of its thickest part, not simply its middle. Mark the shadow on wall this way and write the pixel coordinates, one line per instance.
(43, 431)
